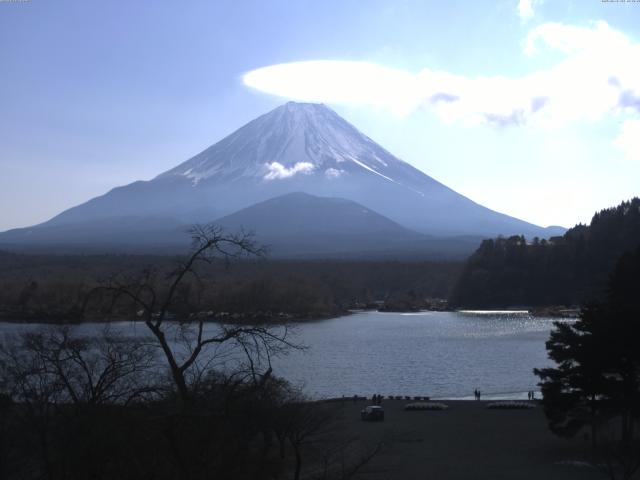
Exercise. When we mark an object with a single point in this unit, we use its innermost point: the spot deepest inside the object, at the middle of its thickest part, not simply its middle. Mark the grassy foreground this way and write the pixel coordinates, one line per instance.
(467, 441)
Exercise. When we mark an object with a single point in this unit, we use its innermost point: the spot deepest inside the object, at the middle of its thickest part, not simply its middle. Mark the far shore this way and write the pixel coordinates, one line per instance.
(283, 317)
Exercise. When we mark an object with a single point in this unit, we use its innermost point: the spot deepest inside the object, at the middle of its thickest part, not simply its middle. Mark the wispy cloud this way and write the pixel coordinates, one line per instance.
(527, 9)
(332, 173)
(597, 75)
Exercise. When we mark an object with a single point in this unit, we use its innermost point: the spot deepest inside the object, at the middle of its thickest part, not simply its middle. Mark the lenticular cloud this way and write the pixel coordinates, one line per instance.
(579, 87)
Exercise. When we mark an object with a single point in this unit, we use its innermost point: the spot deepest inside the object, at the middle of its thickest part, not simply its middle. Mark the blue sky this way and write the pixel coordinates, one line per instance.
(528, 107)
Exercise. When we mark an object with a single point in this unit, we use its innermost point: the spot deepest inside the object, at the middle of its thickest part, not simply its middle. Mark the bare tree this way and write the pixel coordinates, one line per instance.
(55, 375)
(91, 370)
(306, 422)
(318, 442)
(153, 301)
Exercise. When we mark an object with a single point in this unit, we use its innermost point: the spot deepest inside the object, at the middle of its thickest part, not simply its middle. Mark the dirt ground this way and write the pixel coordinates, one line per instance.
(467, 441)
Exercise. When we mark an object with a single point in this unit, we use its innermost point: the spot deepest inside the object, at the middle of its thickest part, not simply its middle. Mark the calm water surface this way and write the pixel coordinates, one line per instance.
(439, 354)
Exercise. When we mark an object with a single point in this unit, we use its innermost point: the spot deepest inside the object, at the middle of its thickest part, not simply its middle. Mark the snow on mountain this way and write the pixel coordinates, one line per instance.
(294, 139)
(297, 147)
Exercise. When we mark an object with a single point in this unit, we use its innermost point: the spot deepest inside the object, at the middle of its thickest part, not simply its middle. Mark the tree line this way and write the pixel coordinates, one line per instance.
(564, 270)
(51, 288)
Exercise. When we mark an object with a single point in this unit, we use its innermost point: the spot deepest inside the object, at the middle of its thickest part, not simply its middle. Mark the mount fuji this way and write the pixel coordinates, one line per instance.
(298, 147)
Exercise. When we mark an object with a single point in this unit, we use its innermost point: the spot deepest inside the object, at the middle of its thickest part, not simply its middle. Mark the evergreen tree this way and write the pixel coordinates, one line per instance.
(564, 270)
(597, 378)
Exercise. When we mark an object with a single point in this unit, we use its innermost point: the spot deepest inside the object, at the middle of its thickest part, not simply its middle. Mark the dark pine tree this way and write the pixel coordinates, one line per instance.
(596, 382)
(565, 270)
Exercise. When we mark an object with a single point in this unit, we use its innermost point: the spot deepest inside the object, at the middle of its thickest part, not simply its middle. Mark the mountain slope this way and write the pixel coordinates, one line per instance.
(295, 225)
(133, 234)
(303, 225)
(298, 212)
(309, 148)
(294, 148)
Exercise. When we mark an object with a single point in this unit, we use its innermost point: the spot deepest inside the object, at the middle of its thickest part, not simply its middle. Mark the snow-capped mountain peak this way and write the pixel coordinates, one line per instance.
(295, 139)
(298, 147)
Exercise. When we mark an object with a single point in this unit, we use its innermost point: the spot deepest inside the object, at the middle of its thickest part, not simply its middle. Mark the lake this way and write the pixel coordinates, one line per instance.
(439, 354)
(436, 354)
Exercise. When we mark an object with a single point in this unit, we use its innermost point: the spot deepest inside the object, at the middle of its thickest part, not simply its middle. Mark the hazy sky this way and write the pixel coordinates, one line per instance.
(531, 108)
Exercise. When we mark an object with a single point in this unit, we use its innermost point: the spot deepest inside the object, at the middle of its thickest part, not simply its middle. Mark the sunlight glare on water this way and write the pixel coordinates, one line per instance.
(437, 354)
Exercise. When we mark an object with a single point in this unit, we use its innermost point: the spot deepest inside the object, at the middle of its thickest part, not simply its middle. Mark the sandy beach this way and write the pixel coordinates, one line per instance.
(467, 441)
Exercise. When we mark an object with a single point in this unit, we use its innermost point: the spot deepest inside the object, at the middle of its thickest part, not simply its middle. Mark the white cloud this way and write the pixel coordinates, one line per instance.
(596, 76)
(629, 139)
(331, 173)
(597, 39)
(278, 171)
(338, 82)
(525, 10)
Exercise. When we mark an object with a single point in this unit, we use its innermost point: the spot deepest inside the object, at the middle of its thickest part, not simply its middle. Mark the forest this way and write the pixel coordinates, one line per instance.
(566, 270)
(52, 288)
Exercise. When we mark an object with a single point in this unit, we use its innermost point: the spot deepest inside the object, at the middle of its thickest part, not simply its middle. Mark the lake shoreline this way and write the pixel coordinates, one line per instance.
(283, 318)
(239, 320)
(435, 354)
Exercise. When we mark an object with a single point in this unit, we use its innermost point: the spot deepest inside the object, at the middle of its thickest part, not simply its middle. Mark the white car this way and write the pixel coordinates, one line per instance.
(372, 413)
